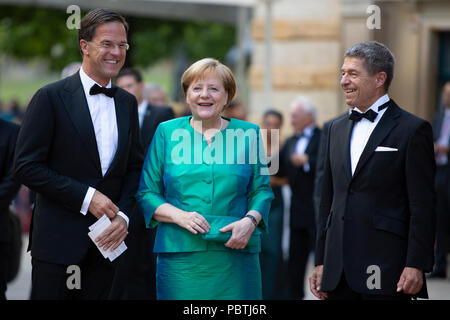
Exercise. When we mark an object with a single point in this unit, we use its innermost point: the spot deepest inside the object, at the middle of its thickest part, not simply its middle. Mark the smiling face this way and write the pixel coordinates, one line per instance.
(102, 57)
(360, 88)
(206, 97)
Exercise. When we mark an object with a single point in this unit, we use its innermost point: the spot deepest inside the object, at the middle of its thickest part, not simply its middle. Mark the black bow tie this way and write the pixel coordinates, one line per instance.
(96, 89)
(357, 116)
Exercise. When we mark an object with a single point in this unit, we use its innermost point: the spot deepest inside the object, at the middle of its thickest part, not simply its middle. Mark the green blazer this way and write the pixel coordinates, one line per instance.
(222, 182)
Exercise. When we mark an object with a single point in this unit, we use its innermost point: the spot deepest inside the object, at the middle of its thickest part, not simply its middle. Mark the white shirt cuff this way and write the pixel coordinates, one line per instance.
(87, 200)
(123, 215)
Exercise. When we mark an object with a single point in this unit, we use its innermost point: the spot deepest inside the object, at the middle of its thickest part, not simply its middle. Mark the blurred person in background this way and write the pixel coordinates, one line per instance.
(8, 189)
(135, 274)
(155, 95)
(441, 128)
(298, 162)
(236, 110)
(271, 251)
(70, 69)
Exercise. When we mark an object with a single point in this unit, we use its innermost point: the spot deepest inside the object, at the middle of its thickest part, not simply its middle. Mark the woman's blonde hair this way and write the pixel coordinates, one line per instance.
(205, 66)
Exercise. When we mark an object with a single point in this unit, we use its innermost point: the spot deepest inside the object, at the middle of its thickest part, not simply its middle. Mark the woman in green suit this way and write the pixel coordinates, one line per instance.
(205, 184)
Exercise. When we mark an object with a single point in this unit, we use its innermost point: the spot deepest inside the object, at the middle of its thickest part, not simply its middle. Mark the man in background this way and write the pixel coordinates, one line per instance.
(298, 162)
(135, 275)
(8, 189)
(441, 133)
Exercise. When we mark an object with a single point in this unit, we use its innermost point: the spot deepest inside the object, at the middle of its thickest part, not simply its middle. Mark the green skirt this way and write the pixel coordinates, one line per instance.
(208, 275)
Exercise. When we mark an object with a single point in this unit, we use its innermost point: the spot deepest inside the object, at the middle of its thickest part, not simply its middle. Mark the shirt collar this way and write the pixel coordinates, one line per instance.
(382, 100)
(308, 131)
(88, 82)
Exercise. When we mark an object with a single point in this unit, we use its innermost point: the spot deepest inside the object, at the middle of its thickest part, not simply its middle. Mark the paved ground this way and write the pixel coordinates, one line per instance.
(19, 289)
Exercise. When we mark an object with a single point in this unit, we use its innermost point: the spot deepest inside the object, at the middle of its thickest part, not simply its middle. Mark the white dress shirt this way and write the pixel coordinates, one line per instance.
(362, 131)
(103, 115)
(303, 141)
(142, 108)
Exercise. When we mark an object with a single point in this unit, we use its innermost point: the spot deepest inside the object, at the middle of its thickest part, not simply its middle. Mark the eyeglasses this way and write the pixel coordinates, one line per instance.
(111, 46)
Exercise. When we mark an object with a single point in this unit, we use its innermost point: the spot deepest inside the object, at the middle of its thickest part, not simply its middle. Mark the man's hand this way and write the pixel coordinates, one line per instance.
(411, 281)
(299, 160)
(101, 204)
(114, 235)
(315, 283)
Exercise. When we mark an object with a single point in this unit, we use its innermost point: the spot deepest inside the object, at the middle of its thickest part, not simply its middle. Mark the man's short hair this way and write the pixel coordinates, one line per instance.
(307, 104)
(275, 113)
(130, 72)
(377, 58)
(96, 17)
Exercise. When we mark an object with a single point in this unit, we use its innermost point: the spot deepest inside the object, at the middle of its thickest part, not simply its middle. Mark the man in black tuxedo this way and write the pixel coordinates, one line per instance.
(375, 230)
(135, 274)
(79, 149)
(441, 132)
(8, 189)
(298, 162)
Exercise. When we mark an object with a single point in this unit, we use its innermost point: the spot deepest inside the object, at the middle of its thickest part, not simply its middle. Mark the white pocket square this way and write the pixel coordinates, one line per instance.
(381, 149)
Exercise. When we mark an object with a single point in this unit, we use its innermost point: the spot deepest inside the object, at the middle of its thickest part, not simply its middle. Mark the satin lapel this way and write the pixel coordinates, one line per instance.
(346, 137)
(78, 110)
(386, 124)
(122, 107)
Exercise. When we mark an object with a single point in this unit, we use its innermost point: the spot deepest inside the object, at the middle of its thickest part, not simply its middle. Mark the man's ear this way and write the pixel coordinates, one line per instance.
(83, 47)
(380, 79)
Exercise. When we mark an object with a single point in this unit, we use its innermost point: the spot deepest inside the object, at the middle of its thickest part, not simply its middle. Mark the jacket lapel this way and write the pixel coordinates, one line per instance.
(386, 124)
(343, 131)
(123, 126)
(78, 110)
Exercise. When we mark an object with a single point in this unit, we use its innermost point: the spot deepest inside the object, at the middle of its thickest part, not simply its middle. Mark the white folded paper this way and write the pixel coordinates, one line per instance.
(97, 229)
(380, 148)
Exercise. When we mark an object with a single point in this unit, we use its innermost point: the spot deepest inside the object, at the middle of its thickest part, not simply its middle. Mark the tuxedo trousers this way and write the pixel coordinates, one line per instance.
(4, 262)
(50, 281)
(442, 217)
(344, 292)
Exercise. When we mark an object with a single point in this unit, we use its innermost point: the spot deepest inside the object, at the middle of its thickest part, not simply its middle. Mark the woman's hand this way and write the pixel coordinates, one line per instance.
(193, 222)
(241, 232)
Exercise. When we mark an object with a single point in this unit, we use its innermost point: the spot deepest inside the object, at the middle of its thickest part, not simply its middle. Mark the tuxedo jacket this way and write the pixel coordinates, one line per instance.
(383, 216)
(320, 166)
(8, 184)
(57, 156)
(301, 182)
(152, 118)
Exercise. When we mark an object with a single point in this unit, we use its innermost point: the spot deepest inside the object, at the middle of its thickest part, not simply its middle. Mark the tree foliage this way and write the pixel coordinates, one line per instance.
(29, 32)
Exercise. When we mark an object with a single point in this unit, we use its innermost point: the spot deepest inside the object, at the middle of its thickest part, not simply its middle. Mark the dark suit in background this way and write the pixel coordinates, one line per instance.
(302, 222)
(136, 273)
(8, 189)
(383, 215)
(442, 197)
(57, 157)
